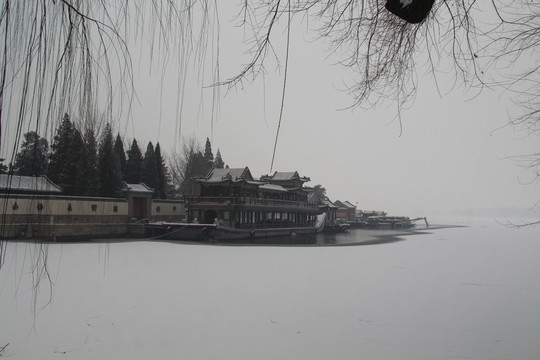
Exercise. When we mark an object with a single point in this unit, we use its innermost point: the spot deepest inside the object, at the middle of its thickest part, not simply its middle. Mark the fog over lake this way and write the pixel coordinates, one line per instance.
(453, 293)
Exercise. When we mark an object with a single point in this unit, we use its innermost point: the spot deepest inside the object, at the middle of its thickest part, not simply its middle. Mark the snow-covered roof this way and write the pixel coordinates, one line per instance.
(220, 175)
(344, 204)
(28, 184)
(272, 187)
(138, 188)
(284, 176)
(349, 205)
(328, 203)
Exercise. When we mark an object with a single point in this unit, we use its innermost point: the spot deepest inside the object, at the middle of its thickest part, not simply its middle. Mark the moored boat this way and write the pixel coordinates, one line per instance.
(234, 206)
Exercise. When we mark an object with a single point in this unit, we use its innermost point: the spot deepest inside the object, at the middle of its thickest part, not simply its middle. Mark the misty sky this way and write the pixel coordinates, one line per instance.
(449, 155)
(452, 155)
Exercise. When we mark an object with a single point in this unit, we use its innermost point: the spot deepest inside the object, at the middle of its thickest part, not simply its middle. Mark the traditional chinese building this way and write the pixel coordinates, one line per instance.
(235, 199)
(346, 210)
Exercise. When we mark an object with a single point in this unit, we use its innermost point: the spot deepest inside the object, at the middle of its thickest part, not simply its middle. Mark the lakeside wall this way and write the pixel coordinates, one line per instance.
(70, 217)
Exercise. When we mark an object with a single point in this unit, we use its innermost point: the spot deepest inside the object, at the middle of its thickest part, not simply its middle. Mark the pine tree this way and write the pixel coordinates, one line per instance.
(110, 177)
(208, 156)
(133, 164)
(33, 158)
(161, 185)
(88, 180)
(64, 160)
(149, 174)
(119, 150)
(218, 161)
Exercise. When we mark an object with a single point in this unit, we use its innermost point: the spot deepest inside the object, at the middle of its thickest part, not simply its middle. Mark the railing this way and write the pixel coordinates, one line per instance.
(273, 225)
(246, 200)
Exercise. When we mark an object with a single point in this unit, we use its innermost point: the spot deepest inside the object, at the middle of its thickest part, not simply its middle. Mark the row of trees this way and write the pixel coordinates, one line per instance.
(81, 165)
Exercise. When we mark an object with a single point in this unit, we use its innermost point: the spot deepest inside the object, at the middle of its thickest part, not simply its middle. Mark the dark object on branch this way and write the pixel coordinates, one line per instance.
(412, 11)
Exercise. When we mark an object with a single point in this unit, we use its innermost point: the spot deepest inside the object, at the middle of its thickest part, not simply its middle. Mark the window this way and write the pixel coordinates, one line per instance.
(115, 208)
(69, 208)
(94, 207)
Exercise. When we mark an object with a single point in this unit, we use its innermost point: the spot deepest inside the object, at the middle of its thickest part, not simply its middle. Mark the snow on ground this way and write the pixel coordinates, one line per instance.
(467, 292)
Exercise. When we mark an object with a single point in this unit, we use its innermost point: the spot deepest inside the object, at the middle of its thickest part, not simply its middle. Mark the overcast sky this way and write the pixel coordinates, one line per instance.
(450, 157)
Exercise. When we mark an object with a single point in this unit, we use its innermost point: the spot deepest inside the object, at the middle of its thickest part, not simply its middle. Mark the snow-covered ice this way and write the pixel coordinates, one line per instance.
(467, 292)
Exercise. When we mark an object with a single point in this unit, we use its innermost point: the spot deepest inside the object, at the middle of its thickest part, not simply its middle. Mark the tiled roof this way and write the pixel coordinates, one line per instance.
(34, 184)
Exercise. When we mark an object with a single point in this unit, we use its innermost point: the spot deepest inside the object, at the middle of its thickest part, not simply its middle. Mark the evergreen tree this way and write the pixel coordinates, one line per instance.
(149, 174)
(110, 177)
(218, 161)
(64, 160)
(208, 156)
(33, 158)
(119, 150)
(133, 164)
(161, 169)
(88, 179)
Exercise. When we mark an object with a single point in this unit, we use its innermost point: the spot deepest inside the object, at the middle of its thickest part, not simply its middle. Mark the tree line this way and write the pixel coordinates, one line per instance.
(84, 165)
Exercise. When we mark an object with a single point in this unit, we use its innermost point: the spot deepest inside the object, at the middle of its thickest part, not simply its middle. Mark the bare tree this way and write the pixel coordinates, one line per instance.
(187, 165)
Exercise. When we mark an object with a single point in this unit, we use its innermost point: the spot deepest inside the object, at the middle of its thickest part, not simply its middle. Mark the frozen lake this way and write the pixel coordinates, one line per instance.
(447, 293)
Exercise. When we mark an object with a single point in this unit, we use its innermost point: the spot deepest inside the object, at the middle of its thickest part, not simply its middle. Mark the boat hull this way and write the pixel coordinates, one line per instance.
(211, 232)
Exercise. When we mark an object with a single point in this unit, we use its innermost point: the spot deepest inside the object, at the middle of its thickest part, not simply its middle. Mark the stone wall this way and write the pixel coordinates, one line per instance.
(71, 217)
(168, 210)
